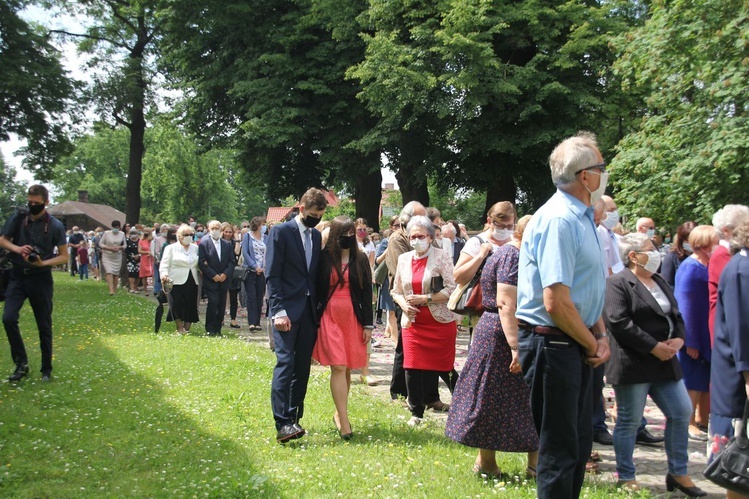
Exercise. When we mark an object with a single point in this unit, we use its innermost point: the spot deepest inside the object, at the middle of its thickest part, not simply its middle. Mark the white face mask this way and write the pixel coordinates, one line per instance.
(654, 261)
(502, 234)
(185, 240)
(420, 245)
(612, 218)
(216, 234)
(595, 196)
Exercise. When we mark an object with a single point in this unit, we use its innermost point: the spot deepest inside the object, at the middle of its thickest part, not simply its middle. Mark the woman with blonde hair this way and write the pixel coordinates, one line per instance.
(179, 264)
(692, 294)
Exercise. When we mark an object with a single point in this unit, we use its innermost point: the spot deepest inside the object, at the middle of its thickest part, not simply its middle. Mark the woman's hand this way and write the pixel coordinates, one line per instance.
(693, 352)
(366, 335)
(417, 300)
(514, 363)
(663, 351)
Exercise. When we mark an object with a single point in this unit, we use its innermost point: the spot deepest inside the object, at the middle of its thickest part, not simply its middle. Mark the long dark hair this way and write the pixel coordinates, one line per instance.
(363, 221)
(340, 226)
(682, 236)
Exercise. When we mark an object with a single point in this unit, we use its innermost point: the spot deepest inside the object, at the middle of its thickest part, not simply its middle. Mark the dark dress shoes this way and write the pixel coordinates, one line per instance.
(289, 432)
(46, 377)
(646, 438)
(603, 438)
(692, 491)
(21, 371)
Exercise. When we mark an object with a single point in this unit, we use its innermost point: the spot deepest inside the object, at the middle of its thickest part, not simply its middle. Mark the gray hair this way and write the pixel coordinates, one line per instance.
(182, 229)
(408, 211)
(213, 222)
(572, 155)
(421, 221)
(448, 229)
(634, 241)
(730, 216)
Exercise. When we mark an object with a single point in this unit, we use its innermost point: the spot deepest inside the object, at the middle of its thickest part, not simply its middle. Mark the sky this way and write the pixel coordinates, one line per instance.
(72, 63)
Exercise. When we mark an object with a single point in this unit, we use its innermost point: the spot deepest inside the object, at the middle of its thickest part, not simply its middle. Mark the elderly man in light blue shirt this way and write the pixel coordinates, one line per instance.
(560, 299)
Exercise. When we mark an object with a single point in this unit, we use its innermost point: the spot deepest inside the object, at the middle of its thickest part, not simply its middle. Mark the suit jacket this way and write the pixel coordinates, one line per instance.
(177, 264)
(438, 264)
(361, 292)
(211, 265)
(290, 283)
(637, 323)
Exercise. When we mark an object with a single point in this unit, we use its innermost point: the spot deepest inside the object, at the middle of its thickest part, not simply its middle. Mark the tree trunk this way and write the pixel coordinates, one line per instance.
(136, 86)
(413, 188)
(368, 194)
(500, 188)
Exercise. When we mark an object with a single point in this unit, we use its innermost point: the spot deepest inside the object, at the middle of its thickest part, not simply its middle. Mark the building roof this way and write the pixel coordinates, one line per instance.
(100, 213)
(277, 213)
(330, 197)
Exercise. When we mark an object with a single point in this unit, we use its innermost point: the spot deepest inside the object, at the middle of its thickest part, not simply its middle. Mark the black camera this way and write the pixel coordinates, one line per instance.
(35, 255)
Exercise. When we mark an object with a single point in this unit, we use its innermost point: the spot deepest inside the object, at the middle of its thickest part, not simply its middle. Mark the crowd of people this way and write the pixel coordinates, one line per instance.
(570, 299)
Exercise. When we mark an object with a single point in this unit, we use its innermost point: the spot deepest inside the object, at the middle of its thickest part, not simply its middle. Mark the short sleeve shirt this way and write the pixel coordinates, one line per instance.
(560, 245)
(44, 234)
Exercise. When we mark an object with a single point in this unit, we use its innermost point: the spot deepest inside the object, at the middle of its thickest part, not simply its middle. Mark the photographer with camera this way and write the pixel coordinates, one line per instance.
(31, 235)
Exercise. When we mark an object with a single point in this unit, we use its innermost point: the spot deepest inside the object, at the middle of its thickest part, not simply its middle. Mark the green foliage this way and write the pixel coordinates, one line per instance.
(345, 207)
(13, 193)
(462, 205)
(35, 91)
(689, 155)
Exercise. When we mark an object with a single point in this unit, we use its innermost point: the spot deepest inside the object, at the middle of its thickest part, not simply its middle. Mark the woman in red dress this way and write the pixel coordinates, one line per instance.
(146, 260)
(344, 291)
(423, 283)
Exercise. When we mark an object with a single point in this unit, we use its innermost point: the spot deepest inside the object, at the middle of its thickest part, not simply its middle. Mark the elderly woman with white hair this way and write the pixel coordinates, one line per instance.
(422, 286)
(179, 264)
(725, 221)
(647, 331)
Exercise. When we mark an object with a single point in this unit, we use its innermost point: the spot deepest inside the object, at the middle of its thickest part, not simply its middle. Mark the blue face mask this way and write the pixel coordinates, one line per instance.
(263, 229)
(199, 236)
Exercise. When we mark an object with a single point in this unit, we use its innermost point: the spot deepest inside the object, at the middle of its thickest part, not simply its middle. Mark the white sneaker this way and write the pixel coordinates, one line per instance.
(414, 421)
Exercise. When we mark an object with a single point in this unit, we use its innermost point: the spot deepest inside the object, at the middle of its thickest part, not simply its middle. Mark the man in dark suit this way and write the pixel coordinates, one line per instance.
(292, 254)
(216, 261)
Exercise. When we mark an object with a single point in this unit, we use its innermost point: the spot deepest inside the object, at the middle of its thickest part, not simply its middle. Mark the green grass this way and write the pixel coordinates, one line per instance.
(133, 413)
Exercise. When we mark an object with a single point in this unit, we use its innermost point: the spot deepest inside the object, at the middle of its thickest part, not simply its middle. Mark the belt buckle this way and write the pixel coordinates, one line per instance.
(27, 270)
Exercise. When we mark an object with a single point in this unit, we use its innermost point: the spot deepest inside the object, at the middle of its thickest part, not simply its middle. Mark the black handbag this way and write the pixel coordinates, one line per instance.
(730, 468)
(240, 273)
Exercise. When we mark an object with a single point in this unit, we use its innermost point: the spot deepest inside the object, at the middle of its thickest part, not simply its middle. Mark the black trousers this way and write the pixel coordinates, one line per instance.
(214, 313)
(254, 288)
(561, 404)
(37, 287)
(291, 374)
(233, 303)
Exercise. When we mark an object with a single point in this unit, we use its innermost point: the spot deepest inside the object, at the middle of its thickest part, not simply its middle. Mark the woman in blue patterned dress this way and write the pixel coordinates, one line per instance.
(490, 407)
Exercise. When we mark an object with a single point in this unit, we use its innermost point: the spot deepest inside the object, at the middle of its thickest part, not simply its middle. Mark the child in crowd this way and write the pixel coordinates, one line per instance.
(82, 260)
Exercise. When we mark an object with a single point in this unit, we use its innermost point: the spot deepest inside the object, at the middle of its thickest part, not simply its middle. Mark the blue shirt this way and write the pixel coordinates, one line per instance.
(560, 245)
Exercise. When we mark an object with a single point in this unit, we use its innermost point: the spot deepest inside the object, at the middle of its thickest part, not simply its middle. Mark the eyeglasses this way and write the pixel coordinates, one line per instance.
(245, 226)
(417, 236)
(396, 226)
(599, 166)
(503, 226)
(190, 234)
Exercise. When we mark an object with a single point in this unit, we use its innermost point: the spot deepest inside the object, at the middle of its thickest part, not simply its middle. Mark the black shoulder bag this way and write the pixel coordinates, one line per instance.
(5, 263)
(730, 468)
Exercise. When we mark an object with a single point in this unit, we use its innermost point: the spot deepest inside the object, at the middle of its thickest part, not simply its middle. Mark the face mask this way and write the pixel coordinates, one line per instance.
(654, 261)
(192, 224)
(115, 230)
(501, 234)
(687, 247)
(216, 234)
(420, 245)
(612, 218)
(595, 196)
(185, 240)
(361, 232)
(347, 242)
(668, 240)
(36, 209)
(651, 232)
(263, 229)
(199, 236)
(310, 221)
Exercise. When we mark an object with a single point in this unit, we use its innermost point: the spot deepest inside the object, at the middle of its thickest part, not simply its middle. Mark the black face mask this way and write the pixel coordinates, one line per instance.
(347, 242)
(36, 209)
(310, 221)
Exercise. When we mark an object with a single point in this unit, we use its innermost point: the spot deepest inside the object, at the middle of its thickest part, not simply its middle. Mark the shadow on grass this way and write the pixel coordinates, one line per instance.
(127, 414)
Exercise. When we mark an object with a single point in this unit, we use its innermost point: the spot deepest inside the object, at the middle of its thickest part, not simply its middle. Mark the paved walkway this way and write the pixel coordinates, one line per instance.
(650, 461)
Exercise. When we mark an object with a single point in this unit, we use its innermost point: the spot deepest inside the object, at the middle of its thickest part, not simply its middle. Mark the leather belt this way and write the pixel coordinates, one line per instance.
(542, 330)
(29, 270)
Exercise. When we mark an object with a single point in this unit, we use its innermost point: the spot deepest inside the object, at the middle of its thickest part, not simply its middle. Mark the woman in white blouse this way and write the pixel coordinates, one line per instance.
(179, 263)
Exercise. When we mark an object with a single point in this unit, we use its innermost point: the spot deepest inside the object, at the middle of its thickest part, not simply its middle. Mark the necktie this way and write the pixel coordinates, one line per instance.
(308, 246)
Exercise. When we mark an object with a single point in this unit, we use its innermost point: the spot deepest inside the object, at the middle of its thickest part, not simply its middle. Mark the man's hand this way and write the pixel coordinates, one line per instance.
(675, 343)
(282, 324)
(366, 335)
(602, 353)
(24, 251)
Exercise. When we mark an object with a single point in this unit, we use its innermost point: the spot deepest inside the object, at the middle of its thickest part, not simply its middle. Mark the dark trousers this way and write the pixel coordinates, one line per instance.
(599, 412)
(419, 383)
(254, 288)
(233, 303)
(291, 374)
(561, 404)
(37, 287)
(214, 312)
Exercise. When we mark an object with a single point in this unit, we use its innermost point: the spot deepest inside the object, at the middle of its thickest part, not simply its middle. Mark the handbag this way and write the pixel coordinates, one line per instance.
(380, 274)
(730, 468)
(240, 273)
(467, 299)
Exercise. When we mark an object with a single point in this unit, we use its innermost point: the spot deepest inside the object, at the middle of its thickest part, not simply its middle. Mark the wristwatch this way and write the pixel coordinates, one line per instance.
(429, 298)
